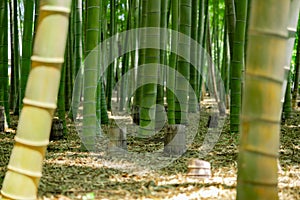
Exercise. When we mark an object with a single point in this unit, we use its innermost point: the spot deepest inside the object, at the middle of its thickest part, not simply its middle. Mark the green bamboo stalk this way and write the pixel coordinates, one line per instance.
(152, 56)
(215, 33)
(69, 67)
(231, 21)
(4, 61)
(61, 106)
(126, 57)
(159, 113)
(297, 66)
(2, 75)
(225, 64)
(26, 47)
(292, 28)
(110, 69)
(183, 66)
(12, 57)
(203, 12)
(193, 101)
(16, 63)
(237, 65)
(77, 53)
(90, 74)
(143, 15)
(135, 24)
(25, 165)
(173, 63)
(287, 104)
(100, 61)
(104, 115)
(103, 106)
(260, 118)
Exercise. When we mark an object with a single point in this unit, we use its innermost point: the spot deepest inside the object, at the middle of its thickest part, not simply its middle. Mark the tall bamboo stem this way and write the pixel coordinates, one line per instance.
(26, 161)
(260, 119)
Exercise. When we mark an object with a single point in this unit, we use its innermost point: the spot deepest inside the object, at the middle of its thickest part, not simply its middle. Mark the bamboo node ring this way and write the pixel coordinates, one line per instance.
(25, 172)
(31, 143)
(39, 104)
(47, 60)
(55, 9)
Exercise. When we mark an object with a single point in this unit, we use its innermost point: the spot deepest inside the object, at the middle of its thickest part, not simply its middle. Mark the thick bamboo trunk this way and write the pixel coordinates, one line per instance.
(260, 119)
(150, 72)
(25, 165)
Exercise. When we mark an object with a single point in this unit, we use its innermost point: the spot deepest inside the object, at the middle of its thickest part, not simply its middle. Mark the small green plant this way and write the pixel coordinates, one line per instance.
(89, 196)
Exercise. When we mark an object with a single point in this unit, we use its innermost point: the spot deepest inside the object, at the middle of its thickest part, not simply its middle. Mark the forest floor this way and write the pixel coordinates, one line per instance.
(69, 173)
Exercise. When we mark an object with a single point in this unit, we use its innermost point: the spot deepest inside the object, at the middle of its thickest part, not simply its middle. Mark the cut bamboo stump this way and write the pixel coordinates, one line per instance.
(199, 169)
(57, 129)
(117, 137)
(160, 117)
(175, 140)
(2, 119)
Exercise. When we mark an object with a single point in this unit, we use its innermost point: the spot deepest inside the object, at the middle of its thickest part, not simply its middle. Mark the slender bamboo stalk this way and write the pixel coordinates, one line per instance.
(110, 69)
(126, 57)
(287, 105)
(237, 65)
(16, 63)
(27, 47)
(25, 165)
(231, 19)
(61, 105)
(78, 47)
(193, 102)
(203, 13)
(141, 60)
(292, 28)
(152, 56)
(2, 76)
(183, 66)
(90, 74)
(173, 63)
(260, 119)
(297, 66)
(4, 60)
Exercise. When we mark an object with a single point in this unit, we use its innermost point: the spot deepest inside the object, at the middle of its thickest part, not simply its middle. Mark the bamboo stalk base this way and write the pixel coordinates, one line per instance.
(136, 114)
(2, 119)
(57, 129)
(212, 121)
(117, 138)
(175, 140)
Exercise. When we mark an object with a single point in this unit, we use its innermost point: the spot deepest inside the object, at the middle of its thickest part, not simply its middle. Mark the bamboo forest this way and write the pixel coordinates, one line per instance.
(149, 99)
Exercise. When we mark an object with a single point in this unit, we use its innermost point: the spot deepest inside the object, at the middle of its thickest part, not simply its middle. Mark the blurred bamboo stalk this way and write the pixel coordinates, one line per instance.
(261, 108)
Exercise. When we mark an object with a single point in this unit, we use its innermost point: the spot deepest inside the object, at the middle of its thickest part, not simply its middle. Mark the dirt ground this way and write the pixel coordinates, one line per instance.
(70, 173)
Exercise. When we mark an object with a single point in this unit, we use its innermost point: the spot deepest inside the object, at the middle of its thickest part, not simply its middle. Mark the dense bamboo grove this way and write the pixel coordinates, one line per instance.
(169, 75)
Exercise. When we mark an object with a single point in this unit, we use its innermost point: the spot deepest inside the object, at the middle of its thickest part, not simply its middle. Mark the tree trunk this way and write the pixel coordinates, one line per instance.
(260, 119)
(26, 161)
(237, 65)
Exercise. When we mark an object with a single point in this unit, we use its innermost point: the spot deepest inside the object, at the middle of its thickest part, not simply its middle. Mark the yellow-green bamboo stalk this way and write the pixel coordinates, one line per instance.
(25, 165)
(261, 108)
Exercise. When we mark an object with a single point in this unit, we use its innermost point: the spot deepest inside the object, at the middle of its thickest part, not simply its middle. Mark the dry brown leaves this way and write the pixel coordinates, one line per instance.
(69, 173)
